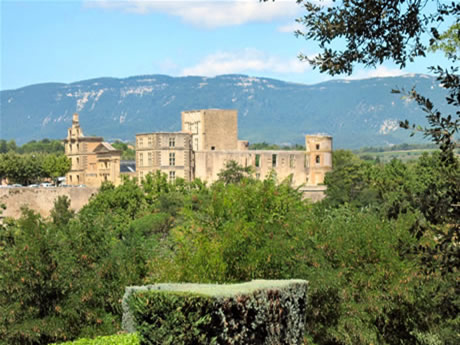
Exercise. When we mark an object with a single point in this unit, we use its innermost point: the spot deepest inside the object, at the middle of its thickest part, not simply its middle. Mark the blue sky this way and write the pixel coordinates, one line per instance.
(67, 41)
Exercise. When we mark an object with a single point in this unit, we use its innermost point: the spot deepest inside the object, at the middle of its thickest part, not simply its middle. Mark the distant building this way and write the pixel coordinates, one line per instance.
(169, 152)
(93, 160)
(209, 139)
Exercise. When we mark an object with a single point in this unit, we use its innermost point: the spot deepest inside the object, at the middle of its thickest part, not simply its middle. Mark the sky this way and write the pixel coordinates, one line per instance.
(67, 41)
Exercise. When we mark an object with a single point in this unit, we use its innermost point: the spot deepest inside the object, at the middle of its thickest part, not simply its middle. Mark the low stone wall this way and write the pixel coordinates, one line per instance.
(41, 200)
(314, 193)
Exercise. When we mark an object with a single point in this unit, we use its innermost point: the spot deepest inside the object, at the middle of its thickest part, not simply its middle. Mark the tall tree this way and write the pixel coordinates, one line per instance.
(375, 31)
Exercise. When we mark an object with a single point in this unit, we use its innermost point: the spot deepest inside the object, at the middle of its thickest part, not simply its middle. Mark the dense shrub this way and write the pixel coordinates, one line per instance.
(119, 339)
(259, 312)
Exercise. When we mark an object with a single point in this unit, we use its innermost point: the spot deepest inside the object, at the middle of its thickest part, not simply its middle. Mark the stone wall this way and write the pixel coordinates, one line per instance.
(41, 200)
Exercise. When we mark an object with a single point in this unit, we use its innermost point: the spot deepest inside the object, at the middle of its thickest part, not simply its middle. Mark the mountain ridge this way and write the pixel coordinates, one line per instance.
(355, 112)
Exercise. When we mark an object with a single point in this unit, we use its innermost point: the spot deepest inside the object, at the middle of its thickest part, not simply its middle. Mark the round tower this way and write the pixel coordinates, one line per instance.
(319, 151)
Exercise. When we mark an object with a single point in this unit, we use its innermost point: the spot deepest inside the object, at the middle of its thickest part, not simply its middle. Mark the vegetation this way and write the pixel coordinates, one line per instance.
(381, 267)
(31, 168)
(120, 339)
(267, 146)
(42, 146)
(128, 152)
(262, 312)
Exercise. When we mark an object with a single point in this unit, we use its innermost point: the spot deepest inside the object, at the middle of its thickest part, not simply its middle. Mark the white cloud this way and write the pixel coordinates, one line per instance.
(378, 72)
(291, 28)
(206, 13)
(246, 61)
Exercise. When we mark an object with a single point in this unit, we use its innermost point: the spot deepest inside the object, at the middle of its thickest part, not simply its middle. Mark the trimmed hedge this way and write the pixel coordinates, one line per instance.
(259, 312)
(119, 339)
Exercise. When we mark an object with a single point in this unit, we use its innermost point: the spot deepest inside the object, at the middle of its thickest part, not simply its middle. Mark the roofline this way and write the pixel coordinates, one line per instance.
(84, 139)
(179, 132)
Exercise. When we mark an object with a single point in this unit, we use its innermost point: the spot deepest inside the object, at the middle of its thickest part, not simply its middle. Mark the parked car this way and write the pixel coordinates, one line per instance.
(16, 185)
(46, 184)
(33, 185)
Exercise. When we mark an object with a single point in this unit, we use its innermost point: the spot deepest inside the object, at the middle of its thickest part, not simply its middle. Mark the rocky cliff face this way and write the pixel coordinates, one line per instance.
(356, 112)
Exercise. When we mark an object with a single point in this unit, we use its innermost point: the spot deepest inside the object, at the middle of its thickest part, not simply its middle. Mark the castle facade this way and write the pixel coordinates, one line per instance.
(93, 160)
(209, 139)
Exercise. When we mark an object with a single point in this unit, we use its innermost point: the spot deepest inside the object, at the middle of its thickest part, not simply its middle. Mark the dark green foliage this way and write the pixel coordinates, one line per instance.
(61, 213)
(42, 146)
(380, 252)
(374, 31)
(29, 168)
(234, 173)
(128, 153)
(238, 233)
(260, 312)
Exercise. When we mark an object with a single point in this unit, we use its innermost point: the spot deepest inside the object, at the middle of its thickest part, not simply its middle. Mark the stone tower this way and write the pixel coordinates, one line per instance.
(319, 151)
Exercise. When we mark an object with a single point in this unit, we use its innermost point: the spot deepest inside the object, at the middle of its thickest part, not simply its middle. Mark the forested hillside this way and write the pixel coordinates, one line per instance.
(355, 112)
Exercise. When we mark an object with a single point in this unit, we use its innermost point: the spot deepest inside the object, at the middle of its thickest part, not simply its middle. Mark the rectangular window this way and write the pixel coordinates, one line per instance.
(172, 176)
(317, 160)
(141, 142)
(291, 161)
(141, 159)
(257, 161)
(317, 146)
(172, 142)
(149, 158)
(273, 161)
(172, 159)
(150, 141)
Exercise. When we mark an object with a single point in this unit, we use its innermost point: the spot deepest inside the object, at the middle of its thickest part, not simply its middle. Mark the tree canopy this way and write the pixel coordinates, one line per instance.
(374, 31)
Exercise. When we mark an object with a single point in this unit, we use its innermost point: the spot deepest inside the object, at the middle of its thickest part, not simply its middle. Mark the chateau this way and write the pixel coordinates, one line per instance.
(93, 160)
(207, 141)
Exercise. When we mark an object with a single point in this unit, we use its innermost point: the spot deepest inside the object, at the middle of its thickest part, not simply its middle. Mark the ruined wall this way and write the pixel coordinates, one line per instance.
(41, 200)
(208, 164)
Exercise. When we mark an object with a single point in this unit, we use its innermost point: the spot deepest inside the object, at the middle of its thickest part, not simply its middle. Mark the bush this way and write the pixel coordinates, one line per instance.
(259, 312)
(119, 339)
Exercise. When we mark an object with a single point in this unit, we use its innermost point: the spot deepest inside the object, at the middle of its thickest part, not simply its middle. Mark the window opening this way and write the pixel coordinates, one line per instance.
(172, 142)
(172, 159)
(257, 160)
(317, 160)
(273, 161)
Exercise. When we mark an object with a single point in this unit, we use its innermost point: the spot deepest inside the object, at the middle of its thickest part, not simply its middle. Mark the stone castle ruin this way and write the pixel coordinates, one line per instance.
(207, 141)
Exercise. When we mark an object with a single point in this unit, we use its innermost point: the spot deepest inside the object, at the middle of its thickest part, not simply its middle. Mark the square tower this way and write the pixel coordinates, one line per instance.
(212, 129)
